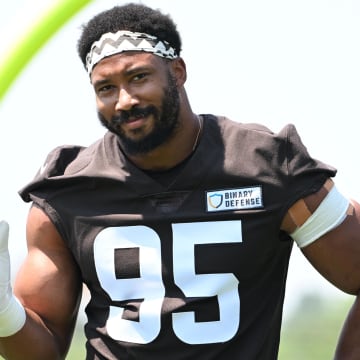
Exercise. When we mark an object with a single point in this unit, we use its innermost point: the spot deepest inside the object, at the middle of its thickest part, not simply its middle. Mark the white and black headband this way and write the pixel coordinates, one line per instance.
(123, 40)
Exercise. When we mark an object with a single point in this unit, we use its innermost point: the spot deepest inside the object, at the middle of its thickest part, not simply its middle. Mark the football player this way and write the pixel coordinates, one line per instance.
(180, 225)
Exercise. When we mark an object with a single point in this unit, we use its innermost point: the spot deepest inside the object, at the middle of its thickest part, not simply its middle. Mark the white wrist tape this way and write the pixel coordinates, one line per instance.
(13, 318)
(12, 313)
(328, 215)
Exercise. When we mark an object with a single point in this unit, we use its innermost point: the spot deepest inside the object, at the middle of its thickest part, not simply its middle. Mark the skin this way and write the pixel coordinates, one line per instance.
(51, 298)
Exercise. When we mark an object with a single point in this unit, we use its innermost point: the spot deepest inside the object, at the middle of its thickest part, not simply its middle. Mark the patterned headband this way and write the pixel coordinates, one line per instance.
(115, 43)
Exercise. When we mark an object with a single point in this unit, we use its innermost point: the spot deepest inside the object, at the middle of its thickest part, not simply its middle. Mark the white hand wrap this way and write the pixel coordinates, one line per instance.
(12, 313)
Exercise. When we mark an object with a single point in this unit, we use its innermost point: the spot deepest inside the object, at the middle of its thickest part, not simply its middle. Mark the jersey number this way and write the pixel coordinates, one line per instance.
(150, 287)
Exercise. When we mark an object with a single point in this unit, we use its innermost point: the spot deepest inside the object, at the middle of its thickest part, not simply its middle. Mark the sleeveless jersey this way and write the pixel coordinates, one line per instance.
(193, 267)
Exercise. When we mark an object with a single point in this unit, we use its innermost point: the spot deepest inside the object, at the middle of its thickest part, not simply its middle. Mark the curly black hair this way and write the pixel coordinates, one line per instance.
(131, 17)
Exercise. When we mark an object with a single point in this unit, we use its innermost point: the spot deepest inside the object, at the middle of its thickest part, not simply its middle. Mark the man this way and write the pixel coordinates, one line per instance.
(180, 225)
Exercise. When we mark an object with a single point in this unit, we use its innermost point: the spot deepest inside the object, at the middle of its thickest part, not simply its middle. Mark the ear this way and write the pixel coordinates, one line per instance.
(178, 68)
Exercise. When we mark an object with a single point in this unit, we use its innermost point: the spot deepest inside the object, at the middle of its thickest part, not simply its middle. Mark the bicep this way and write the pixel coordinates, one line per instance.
(328, 230)
(48, 282)
(336, 255)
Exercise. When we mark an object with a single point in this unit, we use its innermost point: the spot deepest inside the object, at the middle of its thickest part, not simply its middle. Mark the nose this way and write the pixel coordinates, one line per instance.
(125, 100)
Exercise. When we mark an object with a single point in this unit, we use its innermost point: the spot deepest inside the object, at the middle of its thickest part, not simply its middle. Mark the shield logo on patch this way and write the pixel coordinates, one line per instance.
(215, 200)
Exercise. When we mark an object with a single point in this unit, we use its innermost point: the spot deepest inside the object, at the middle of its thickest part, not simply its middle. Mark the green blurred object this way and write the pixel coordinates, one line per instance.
(34, 38)
(77, 349)
(312, 332)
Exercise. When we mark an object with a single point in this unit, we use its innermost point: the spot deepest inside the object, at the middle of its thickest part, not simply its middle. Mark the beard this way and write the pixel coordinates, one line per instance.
(165, 125)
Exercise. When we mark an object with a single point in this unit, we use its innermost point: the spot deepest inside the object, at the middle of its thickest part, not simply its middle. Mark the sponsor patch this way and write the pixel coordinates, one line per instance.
(234, 199)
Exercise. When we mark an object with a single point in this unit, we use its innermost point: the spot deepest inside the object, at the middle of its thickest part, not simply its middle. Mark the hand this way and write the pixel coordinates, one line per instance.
(12, 313)
(5, 287)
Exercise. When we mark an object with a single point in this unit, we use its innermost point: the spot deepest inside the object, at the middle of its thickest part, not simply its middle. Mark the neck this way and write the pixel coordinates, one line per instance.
(174, 151)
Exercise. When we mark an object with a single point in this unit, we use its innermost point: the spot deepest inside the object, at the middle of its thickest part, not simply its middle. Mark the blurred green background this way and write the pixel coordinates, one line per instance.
(309, 333)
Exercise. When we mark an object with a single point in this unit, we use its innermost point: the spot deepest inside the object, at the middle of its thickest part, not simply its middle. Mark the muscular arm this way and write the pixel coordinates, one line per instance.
(336, 255)
(49, 287)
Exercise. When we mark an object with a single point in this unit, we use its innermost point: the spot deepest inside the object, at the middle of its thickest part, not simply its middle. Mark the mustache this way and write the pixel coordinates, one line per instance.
(135, 112)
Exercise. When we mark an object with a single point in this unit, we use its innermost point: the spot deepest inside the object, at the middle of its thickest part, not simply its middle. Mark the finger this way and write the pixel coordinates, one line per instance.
(4, 262)
(4, 235)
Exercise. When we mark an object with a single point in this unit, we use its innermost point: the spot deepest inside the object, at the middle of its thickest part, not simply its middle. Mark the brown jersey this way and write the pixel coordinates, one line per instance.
(189, 263)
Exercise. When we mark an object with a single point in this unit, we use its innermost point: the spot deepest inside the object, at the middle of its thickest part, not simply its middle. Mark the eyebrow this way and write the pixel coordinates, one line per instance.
(136, 70)
(100, 82)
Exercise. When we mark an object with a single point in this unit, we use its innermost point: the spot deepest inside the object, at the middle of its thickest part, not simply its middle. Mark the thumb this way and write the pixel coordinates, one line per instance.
(4, 235)
(12, 313)
(4, 263)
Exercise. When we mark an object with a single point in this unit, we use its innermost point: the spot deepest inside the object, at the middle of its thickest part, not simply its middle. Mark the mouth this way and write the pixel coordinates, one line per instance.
(135, 123)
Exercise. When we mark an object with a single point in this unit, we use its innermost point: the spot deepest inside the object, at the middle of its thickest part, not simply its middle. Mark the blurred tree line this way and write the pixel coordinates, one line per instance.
(312, 330)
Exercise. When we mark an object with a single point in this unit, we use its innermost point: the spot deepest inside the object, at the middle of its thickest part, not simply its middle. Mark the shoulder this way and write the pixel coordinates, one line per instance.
(73, 164)
(58, 159)
(67, 160)
(251, 133)
(227, 124)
